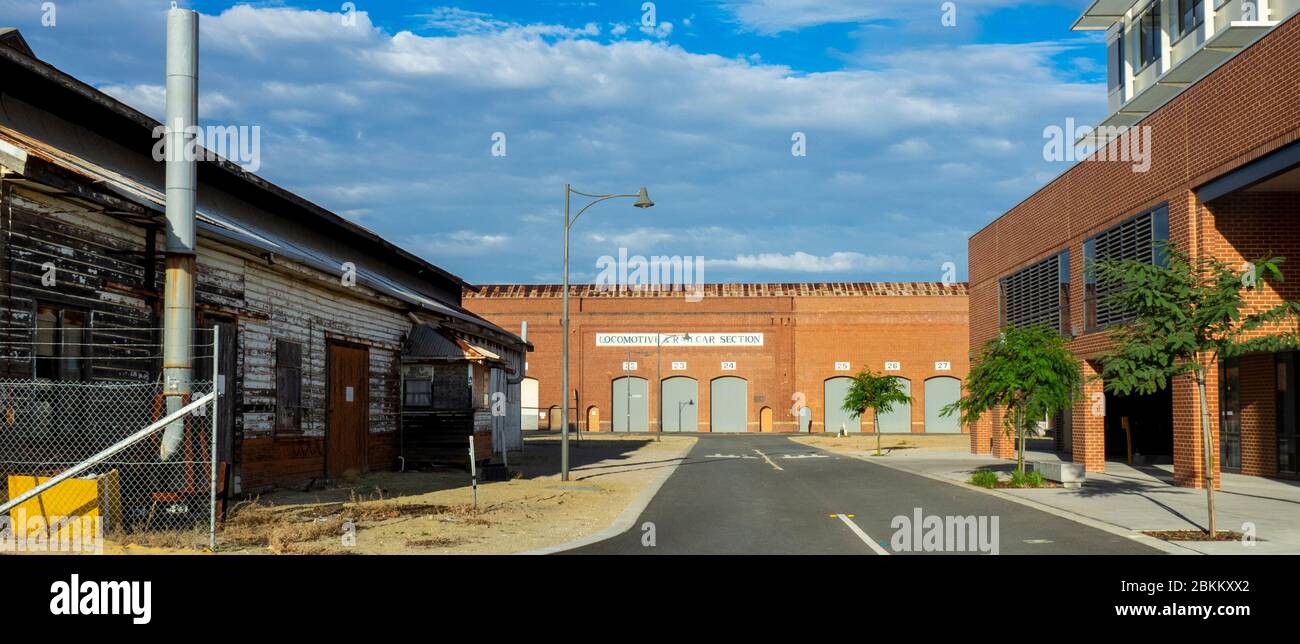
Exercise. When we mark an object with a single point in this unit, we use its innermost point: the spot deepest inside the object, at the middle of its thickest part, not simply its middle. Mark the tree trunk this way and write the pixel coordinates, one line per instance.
(1206, 447)
(1020, 439)
(875, 421)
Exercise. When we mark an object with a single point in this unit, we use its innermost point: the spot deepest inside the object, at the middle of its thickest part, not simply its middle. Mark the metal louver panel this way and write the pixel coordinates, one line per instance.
(1033, 295)
(1132, 240)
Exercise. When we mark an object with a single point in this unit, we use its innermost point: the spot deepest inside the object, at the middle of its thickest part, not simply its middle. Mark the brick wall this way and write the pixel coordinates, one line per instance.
(804, 336)
(1244, 110)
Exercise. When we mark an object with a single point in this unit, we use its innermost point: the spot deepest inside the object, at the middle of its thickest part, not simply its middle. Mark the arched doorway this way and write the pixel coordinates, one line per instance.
(728, 408)
(765, 419)
(631, 405)
(679, 411)
(833, 392)
(941, 391)
(593, 418)
(528, 403)
(553, 418)
(899, 420)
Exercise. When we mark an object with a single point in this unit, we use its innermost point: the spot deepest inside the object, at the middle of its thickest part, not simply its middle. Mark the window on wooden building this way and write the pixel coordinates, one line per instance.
(417, 392)
(60, 346)
(288, 387)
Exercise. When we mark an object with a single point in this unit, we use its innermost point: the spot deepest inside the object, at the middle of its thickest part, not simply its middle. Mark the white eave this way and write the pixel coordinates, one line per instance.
(1101, 14)
(1219, 49)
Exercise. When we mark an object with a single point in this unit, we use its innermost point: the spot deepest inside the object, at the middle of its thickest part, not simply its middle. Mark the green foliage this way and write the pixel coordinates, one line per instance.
(984, 478)
(871, 391)
(1027, 369)
(1032, 478)
(1019, 478)
(1185, 317)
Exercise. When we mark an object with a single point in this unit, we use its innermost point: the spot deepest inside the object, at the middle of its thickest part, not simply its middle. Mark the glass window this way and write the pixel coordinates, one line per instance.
(1191, 13)
(60, 343)
(1115, 61)
(1149, 35)
(288, 387)
(1288, 447)
(417, 393)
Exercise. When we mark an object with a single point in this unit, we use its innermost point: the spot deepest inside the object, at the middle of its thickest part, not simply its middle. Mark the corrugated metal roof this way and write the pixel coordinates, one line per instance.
(786, 289)
(225, 227)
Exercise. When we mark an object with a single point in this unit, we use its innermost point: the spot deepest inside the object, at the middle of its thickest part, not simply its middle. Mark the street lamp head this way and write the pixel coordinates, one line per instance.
(643, 199)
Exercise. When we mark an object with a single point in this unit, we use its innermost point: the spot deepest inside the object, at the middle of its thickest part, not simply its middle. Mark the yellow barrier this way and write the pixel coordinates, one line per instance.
(69, 504)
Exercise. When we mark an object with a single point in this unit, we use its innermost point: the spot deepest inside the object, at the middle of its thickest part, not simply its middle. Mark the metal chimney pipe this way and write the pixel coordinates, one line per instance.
(182, 115)
(523, 359)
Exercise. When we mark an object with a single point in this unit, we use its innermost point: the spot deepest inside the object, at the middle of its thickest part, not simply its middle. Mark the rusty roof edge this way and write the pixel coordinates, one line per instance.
(732, 289)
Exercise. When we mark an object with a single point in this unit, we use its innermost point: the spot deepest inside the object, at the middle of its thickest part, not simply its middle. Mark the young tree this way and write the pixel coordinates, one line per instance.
(1186, 316)
(878, 393)
(1029, 371)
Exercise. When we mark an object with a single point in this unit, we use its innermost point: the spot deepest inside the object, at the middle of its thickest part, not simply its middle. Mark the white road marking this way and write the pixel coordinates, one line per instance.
(804, 456)
(769, 461)
(728, 456)
(862, 535)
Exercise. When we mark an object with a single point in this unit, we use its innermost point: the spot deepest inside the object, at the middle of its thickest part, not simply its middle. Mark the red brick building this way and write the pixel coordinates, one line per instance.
(756, 354)
(1219, 96)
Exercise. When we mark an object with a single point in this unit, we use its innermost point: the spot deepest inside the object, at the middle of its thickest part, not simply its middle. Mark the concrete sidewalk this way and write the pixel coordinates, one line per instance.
(1141, 498)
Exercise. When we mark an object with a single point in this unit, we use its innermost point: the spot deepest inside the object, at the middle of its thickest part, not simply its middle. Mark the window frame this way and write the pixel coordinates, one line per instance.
(288, 419)
(1159, 215)
(1149, 30)
(1196, 7)
(83, 362)
(1060, 289)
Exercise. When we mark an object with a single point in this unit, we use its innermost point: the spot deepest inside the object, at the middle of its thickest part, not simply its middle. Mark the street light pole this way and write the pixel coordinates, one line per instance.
(642, 201)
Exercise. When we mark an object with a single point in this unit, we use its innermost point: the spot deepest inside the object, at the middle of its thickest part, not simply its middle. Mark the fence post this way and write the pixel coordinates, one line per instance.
(213, 428)
(473, 471)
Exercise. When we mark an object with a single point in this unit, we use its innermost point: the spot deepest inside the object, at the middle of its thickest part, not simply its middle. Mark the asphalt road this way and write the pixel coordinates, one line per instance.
(770, 495)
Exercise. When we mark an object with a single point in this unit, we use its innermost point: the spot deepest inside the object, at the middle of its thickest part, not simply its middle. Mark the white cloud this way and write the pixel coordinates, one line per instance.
(775, 16)
(708, 134)
(458, 243)
(801, 262)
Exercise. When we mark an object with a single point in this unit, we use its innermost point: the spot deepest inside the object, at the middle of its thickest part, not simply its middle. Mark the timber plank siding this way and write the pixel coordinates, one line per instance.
(101, 267)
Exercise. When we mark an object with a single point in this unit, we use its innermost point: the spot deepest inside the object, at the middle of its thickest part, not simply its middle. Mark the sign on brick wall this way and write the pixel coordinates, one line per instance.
(679, 339)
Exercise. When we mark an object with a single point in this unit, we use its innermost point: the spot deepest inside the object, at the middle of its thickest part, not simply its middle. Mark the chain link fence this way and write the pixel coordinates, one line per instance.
(160, 481)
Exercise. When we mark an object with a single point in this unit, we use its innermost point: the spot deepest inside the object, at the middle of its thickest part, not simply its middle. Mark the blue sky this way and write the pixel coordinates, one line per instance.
(917, 134)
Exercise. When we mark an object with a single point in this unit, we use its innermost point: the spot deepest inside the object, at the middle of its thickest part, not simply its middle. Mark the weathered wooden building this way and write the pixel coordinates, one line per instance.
(314, 309)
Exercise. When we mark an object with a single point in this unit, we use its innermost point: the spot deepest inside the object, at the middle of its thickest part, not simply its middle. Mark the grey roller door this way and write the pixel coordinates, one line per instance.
(631, 405)
(834, 391)
(728, 404)
(898, 421)
(940, 392)
(681, 402)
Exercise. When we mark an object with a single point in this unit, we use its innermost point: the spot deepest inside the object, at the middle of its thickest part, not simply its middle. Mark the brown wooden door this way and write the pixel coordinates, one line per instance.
(349, 404)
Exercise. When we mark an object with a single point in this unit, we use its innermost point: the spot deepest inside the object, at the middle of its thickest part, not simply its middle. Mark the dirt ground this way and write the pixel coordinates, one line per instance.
(888, 442)
(432, 512)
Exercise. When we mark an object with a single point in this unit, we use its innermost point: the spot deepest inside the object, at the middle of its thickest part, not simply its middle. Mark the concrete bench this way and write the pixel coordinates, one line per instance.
(1067, 474)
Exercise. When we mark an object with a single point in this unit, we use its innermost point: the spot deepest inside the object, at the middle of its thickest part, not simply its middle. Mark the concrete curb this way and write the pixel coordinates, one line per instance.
(626, 519)
(1158, 544)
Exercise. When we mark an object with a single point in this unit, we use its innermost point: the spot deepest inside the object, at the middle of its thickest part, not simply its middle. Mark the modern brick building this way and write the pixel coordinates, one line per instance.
(759, 357)
(1216, 86)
